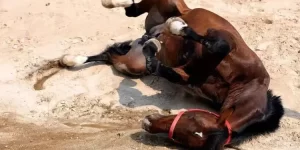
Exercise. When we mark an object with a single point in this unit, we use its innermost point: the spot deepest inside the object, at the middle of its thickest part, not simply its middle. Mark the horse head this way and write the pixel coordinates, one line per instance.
(194, 128)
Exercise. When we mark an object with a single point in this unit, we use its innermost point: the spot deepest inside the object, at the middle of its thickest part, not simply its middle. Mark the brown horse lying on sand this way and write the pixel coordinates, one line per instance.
(237, 82)
(248, 108)
(247, 112)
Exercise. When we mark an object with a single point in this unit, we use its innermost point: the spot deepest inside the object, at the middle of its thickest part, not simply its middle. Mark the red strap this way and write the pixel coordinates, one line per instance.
(175, 121)
(172, 128)
(229, 132)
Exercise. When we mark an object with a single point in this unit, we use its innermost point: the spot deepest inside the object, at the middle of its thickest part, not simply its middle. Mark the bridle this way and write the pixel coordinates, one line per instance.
(175, 121)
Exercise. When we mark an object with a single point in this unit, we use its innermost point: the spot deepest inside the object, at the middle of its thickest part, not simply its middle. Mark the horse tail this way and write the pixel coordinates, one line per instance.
(276, 111)
(270, 123)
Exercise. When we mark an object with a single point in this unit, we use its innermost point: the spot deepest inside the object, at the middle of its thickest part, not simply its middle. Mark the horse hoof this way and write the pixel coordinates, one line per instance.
(72, 60)
(155, 42)
(118, 3)
(175, 25)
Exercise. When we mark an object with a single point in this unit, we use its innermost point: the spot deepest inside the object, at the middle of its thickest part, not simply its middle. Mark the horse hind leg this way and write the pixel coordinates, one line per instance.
(119, 49)
(77, 60)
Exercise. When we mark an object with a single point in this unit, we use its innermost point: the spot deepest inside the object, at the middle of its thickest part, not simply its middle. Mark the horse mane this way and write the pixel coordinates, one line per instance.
(270, 123)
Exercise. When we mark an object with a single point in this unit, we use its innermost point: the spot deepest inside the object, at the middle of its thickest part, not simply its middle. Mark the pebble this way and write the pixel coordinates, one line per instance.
(15, 47)
(268, 21)
(76, 40)
(263, 46)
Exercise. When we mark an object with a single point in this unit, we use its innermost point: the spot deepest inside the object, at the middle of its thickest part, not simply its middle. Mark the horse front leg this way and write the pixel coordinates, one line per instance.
(133, 8)
(215, 41)
(155, 67)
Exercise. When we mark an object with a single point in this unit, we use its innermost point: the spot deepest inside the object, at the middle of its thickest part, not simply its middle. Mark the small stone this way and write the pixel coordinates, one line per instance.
(268, 21)
(15, 46)
(9, 41)
(47, 4)
(263, 46)
(21, 40)
(261, 10)
(76, 40)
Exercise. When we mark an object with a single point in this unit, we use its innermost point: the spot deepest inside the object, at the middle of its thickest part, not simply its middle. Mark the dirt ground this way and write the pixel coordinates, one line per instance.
(98, 108)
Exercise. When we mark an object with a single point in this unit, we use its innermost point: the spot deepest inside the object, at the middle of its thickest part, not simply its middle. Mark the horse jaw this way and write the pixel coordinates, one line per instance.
(118, 3)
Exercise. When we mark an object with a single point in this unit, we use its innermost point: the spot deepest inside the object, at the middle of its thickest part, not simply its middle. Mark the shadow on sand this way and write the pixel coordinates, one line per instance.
(169, 96)
(292, 113)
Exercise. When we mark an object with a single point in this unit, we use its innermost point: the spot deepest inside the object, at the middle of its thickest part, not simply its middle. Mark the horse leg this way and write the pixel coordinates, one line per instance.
(77, 60)
(118, 3)
(213, 40)
(133, 8)
(155, 67)
(119, 49)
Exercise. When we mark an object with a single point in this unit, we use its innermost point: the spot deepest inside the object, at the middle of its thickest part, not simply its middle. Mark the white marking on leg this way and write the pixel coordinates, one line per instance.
(72, 61)
(175, 25)
(118, 3)
(199, 134)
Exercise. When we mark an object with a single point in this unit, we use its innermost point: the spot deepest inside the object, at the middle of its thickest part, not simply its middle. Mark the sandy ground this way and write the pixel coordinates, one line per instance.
(98, 108)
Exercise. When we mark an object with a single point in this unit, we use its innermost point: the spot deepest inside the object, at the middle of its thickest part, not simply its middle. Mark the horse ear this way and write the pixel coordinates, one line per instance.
(225, 114)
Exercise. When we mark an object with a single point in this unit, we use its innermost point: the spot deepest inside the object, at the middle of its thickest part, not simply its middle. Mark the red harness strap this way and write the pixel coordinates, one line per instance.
(175, 121)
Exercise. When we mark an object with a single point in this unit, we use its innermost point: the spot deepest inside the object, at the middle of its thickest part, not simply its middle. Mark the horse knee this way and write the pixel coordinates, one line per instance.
(176, 25)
